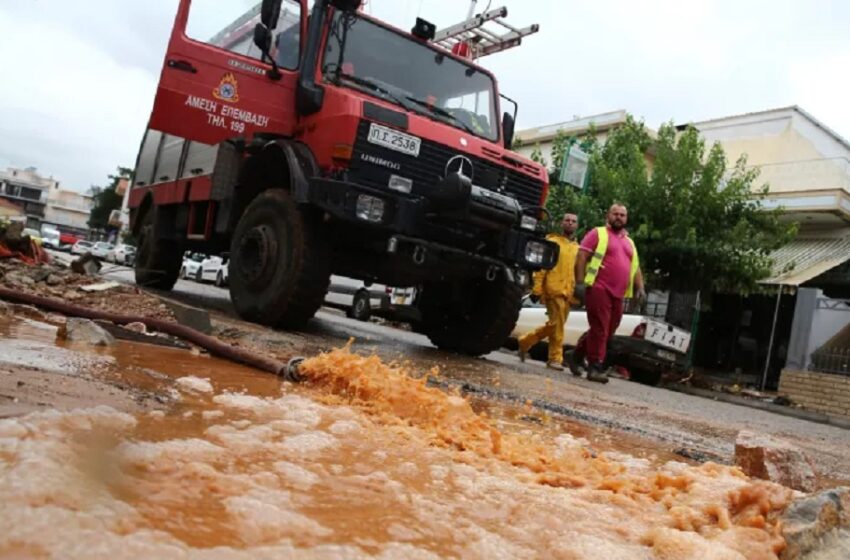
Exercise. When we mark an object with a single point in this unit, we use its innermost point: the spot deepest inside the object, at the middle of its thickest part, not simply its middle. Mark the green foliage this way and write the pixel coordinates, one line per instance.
(106, 200)
(698, 224)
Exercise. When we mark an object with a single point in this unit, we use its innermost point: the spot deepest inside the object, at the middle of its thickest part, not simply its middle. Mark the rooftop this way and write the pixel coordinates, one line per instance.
(766, 112)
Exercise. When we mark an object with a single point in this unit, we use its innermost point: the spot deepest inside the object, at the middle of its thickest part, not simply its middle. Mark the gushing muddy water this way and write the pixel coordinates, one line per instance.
(359, 461)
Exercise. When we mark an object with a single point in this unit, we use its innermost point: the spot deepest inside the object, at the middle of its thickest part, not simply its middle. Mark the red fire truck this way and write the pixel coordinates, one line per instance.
(331, 142)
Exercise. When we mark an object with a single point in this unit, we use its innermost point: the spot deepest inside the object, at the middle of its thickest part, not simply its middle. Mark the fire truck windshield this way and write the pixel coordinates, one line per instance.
(402, 70)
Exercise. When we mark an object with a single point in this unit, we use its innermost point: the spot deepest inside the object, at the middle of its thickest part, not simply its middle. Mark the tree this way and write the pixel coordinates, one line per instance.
(106, 199)
(698, 224)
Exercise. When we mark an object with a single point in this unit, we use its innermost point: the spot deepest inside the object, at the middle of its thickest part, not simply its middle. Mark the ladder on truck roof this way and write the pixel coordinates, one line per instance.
(480, 38)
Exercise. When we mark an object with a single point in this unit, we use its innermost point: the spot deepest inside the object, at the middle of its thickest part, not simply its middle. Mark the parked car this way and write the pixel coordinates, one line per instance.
(101, 249)
(82, 247)
(214, 269)
(50, 237)
(646, 346)
(119, 254)
(130, 255)
(191, 267)
(67, 241)
(361, 300)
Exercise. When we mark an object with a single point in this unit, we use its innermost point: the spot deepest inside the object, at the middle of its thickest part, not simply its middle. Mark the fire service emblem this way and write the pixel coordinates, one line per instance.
(227, 89)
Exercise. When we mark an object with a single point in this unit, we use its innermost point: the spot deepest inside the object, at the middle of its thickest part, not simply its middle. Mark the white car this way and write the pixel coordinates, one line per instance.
(646, 346)
(50, 237)
(533, 315)
(215, 269)
(101, 249)
(360, 300)
(191, 267)
(121, 254)
(82, 247)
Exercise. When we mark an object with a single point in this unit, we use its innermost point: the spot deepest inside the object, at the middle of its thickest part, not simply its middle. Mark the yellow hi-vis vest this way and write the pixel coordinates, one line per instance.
(599, 254)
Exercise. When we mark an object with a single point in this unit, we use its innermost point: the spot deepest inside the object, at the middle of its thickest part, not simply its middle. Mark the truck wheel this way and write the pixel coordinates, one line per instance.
(157, 260)
(280, 262)
(360, 308)
(474, 318)
(219, 280)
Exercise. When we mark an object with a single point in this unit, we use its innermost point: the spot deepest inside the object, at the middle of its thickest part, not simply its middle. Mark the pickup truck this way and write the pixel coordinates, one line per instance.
(646, 346)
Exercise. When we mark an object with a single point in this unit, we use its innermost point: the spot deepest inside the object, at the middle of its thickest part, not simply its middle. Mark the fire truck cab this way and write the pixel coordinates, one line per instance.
(307, 144)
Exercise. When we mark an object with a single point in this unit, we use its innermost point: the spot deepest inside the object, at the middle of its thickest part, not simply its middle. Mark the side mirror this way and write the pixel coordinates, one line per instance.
(346, 5)
(508, 130)
(263, 38)
(270, 12)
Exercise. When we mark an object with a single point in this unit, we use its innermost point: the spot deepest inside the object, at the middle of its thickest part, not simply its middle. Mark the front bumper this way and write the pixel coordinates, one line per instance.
(449, 224)
(637, 353)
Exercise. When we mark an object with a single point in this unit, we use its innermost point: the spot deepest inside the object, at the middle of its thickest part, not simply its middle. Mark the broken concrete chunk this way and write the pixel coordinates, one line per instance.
(85, 331)
(769, 458)
(136, 327)
(87, 265)
(100, 287)
(18, 279)
(192, 317)
(814, 522)
(54, 280)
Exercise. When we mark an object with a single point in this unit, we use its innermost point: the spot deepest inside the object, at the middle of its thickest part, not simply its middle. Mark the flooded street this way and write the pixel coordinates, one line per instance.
(359, 460)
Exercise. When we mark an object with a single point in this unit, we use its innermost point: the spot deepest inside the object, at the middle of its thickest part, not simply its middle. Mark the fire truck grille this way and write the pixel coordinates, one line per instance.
(372, 165)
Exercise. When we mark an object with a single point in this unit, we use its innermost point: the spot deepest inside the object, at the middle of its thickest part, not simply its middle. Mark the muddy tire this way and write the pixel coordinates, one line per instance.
(360, 308)
(474, 318)
(157, 260)
(279, 262)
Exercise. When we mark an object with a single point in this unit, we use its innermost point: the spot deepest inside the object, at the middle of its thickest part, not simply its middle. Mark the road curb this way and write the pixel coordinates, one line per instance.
(816, 417)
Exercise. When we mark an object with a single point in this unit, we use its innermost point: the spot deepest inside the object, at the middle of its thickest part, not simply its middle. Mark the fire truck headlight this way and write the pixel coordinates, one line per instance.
(400, 184)
(536, 252)
(528, 222)
(369, 208)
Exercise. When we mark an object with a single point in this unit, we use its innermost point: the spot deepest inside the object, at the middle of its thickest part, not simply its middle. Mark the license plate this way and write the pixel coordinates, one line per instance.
(668, 336)
(394, 140)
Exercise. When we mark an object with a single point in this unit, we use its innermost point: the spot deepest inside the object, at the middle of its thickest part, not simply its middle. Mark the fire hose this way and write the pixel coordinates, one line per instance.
(287, 370)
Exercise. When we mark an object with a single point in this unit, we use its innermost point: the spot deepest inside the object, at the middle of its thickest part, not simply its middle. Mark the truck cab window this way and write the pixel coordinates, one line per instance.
(230, 26)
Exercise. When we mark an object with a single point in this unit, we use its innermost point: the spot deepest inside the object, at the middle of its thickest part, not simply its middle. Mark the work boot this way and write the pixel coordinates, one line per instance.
(555, 365)
(596, 372)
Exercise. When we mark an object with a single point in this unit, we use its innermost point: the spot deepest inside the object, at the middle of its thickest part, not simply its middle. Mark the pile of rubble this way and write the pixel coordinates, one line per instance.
(14, 243)
(57, 281)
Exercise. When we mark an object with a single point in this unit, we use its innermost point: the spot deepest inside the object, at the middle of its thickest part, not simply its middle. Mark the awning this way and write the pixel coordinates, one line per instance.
(807, 257)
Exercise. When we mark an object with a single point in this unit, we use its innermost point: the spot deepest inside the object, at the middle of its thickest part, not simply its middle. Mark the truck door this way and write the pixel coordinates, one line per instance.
(214, 84)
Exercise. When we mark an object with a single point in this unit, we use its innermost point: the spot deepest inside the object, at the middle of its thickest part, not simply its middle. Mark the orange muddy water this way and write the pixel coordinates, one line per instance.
(361, 460)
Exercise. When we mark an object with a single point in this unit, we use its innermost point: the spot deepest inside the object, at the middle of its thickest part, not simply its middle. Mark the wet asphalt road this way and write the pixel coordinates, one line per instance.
(686, 425)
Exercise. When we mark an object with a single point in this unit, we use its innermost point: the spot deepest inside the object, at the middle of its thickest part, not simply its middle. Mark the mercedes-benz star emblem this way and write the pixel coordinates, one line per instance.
(461, 165)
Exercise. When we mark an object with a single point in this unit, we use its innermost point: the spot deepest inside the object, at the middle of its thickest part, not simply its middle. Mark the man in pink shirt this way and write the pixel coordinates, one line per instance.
(607, 271)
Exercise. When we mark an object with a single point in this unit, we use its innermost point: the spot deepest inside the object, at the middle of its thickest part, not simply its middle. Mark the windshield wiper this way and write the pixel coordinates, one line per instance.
(365, 82)
(442, 112)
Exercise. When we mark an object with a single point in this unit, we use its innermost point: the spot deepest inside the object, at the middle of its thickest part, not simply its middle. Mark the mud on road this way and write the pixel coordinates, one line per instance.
(377, 455)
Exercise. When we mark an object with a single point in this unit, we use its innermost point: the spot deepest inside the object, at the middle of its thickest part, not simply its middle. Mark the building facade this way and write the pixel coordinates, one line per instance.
(28, 190)
(805, 166)
(804, 163)
(68, 210)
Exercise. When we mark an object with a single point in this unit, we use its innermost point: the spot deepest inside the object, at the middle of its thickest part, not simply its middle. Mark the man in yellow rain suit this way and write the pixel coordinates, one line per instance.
(555, 289)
